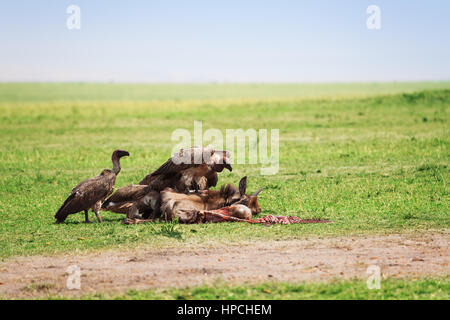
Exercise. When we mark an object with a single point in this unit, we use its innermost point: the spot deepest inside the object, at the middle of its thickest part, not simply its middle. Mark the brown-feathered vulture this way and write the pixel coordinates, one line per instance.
(193, 168)
(90, 193)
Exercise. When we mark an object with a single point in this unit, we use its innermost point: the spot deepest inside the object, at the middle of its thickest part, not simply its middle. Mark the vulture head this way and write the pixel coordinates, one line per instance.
(220, 160)
(117, 154)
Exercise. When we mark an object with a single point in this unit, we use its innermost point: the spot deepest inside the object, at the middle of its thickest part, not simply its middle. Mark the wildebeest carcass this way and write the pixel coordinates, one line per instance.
(187, 207)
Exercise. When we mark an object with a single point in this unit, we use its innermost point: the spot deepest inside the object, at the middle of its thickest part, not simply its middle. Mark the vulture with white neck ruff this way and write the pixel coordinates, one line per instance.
(193, 168)
(90, 193)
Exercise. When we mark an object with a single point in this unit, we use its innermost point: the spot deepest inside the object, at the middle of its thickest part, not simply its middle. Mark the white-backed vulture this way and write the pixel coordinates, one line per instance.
(189, 169)
(90, 193)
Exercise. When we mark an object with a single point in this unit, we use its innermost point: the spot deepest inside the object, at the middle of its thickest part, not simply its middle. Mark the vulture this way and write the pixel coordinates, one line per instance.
(90, 193)
(189, 169)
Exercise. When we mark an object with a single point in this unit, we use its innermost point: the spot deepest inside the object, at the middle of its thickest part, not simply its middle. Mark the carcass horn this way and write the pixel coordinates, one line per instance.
(254, 194)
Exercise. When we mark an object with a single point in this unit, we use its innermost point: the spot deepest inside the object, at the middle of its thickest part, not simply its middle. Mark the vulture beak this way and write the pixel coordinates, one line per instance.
(122, 153)
(226, 162)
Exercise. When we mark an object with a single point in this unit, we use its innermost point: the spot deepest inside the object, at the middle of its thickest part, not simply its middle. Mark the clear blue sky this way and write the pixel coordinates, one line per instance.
(225, 41)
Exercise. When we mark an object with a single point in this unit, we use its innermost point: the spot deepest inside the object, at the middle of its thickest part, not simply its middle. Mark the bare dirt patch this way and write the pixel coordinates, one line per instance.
(294, 261)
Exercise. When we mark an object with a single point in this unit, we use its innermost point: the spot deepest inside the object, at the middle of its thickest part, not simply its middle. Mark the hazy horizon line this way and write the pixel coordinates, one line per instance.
(224, 82)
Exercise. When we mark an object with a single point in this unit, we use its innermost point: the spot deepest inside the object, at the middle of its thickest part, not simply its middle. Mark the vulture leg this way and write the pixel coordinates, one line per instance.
(147, 214)
(96, 209)
(133, 213)
(98, 217)
(86, 217)
(196, 188)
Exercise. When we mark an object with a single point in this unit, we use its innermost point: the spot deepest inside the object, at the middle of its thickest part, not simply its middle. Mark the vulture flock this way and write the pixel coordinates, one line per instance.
(179, 189)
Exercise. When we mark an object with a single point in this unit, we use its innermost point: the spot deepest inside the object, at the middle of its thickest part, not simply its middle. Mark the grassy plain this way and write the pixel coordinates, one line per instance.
(373, 158)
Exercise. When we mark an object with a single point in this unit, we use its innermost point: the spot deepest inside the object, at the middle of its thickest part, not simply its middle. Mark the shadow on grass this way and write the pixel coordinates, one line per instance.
(117, 219)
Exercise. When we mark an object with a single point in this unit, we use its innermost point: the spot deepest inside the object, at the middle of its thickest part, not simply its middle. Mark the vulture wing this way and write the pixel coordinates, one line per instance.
(167, 171)
(126, 194)
(86, 194)
(171, 172)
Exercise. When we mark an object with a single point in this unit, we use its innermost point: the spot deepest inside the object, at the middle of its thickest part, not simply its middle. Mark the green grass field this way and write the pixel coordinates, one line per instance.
(429, 289)
(373, 158)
